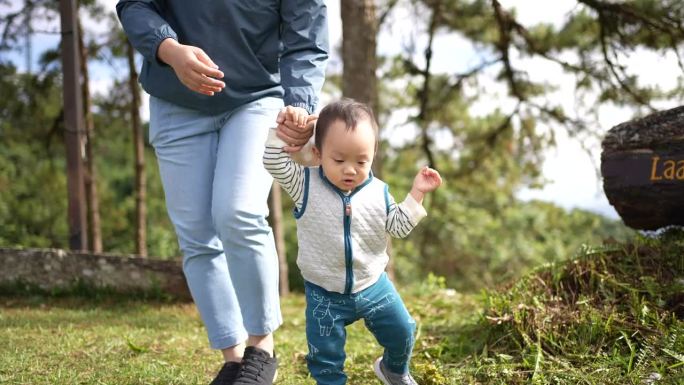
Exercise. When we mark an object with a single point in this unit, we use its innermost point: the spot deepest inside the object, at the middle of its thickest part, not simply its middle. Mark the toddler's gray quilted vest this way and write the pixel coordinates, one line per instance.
(339, 252)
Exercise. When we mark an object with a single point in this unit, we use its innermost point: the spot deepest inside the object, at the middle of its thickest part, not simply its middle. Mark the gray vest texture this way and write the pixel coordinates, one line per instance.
(339, 257)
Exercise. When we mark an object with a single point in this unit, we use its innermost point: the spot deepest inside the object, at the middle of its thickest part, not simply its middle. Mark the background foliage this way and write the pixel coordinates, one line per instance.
(478, 233)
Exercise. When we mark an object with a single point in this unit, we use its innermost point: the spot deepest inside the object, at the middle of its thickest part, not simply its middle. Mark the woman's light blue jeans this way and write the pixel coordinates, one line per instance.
(216, 194)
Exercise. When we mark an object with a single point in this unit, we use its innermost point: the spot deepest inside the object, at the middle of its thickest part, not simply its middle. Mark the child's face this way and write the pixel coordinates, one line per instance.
(347, 155)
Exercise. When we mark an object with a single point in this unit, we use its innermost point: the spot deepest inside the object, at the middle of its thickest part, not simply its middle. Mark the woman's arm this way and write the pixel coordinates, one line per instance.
(152, 36)
(144, 25)
(304, 36)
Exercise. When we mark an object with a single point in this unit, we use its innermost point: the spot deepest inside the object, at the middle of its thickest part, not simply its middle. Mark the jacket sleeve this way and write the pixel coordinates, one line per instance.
(304, 34)
(402, 217)
(144, 25)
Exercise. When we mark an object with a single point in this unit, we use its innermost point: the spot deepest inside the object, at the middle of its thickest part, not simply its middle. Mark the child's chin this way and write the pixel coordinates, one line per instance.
(346, 187)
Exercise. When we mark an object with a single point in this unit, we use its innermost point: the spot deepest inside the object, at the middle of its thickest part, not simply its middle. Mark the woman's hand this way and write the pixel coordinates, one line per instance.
(192, 67)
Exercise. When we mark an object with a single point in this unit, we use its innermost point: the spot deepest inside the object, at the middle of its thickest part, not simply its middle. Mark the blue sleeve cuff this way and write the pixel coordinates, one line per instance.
(160, 35)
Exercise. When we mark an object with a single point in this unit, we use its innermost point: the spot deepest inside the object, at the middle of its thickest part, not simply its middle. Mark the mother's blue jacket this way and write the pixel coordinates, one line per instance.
(264, 48)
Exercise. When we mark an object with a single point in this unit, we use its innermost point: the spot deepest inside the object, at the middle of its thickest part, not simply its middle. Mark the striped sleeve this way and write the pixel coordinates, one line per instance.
(288, 174)
(403, 217)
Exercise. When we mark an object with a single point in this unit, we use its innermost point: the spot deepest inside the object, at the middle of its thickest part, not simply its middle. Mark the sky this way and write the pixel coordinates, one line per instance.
(570, 169)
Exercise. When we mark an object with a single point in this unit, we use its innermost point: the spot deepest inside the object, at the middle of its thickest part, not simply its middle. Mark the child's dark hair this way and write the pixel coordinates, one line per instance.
(347, 110)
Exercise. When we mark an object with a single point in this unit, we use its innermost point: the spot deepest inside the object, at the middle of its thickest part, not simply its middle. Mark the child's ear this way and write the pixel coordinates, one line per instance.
(316, 152)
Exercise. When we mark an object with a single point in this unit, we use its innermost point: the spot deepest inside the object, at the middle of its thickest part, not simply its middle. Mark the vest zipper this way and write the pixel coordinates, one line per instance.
(349, 280)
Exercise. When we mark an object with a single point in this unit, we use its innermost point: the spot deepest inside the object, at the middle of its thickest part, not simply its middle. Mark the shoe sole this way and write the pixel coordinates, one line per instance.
(378, 372)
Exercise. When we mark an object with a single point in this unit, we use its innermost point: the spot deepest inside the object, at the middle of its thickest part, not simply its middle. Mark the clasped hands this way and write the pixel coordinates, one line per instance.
(295, 127)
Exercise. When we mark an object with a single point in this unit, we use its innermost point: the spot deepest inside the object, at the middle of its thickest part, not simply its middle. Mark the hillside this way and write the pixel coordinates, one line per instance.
(612, 315)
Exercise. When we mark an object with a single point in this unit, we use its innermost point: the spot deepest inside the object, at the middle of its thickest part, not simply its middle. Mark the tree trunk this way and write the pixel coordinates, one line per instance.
(90, 175)
(276, 221)
(424, 94)
(73, 127)
(643, 170)
(424, 117)
(359, 58)
(359, 33)
(139, 150)
(360, 63)
(28, 6)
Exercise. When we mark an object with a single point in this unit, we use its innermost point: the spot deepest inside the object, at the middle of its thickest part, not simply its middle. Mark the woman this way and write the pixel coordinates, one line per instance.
(219, 73)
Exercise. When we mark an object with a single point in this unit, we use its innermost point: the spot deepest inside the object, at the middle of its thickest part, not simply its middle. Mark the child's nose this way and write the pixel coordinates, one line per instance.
(349, 170)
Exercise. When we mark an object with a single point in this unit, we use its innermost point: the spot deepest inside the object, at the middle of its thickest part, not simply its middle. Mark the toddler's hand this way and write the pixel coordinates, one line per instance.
(295, 137)
(297, 115)
(426, 181)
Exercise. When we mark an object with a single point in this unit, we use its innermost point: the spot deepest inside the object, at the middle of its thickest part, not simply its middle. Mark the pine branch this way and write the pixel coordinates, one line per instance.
(504, 22)
(460, 78)
(627, 11)
(612, 66)
(424, 94)
(386, 12)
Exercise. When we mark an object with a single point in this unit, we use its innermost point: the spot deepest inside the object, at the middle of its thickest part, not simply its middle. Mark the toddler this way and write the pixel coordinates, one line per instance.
(343, 217)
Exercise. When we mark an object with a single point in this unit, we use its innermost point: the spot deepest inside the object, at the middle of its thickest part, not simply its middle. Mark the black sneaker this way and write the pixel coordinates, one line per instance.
(227, 374)
(258, 368)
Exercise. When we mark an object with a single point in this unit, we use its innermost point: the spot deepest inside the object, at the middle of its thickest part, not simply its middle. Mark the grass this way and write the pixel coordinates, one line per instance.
(108, 339)
(613, 315)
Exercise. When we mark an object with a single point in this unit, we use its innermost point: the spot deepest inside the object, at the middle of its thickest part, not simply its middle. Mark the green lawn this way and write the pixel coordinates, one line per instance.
(612, 315)
(110, 340)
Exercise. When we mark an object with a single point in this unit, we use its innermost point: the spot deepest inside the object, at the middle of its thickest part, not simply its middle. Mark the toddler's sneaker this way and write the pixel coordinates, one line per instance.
(227, 374)
(389, 378)
(258, 368)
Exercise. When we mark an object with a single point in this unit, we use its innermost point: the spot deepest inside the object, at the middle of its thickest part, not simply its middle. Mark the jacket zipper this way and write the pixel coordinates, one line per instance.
(347, 210)
(349, 280)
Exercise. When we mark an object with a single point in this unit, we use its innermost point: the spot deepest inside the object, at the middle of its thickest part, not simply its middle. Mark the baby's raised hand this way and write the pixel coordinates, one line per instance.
(427, 180)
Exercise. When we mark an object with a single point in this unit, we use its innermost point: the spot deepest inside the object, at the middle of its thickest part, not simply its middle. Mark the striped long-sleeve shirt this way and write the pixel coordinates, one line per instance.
(401, 218)
(342, 236)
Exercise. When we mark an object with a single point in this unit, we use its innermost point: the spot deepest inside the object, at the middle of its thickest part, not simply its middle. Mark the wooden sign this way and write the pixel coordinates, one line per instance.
(642, 164)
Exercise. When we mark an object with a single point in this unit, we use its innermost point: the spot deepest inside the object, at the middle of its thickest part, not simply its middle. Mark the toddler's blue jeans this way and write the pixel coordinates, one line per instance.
(327, 314)
(216, 195)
